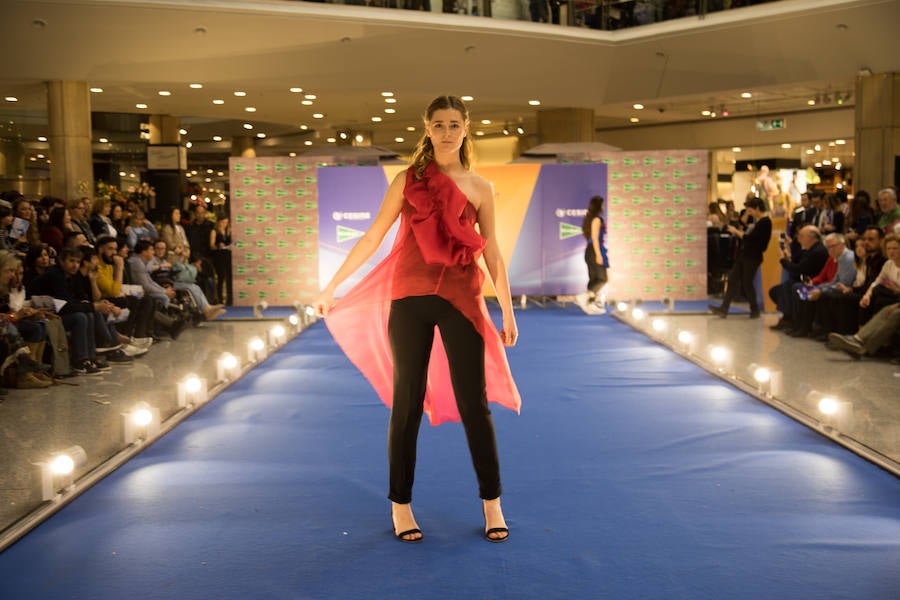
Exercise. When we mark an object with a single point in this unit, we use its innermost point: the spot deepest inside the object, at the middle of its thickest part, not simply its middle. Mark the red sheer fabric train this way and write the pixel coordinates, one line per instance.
(436, 252)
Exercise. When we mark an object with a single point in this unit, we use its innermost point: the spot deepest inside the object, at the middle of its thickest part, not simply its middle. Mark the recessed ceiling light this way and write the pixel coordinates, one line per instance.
(826, 162)
(196, 86)
(638, 106)
(376, 119)
(307, 143)
(467, 98)
(189, 145)
(240, 94)
(534, 102)
(318, 116)
(836, 159)
(250, 108)
(296, 90)
(309, 96)
(706, 113)
(260, 135)
(11, 99)
(811, 102)
(304, 127)
(140, 105)
(817, 147)
(306, 102)
(746, 95)
(634, 120)
(838, 142)
(164, 93)
(810, 151)
(387, 94)
(42, 138)
(330, 140)
(390, 100)
(831, 144)
(218, 101)
(41, 156)
(217, 138)
(248, 126)
(390, 111)
(736, 149)
(410, 128)
(209, 171)
(97, 90)
(182, 131)
(292, 154)
(399, 139)
(32, 158)
(123, 174)
(786, 146)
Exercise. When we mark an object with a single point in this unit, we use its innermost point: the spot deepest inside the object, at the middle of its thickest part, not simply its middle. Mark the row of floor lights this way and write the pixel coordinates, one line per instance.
(143, 423)
(835, 414)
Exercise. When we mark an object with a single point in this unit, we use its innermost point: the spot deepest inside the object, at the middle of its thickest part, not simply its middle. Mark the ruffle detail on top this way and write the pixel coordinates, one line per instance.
(444, 234)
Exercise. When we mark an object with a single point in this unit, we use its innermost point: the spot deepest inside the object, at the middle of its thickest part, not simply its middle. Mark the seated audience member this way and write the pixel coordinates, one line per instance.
(78, 211)
(839, 270)
(142, 309)
(889, 210)
(160, 267)
(24, 210)
(139, 268)
(84, 285)
(101, 224)
(77, 315)
(54, 231)
(140, 229)
(6, 219)
(74, 239)
(885, 289)
(861, 216)
(796, 267)
(173, 232)
(21, 327)
(839, 310)
(37, 261)
(873, 336)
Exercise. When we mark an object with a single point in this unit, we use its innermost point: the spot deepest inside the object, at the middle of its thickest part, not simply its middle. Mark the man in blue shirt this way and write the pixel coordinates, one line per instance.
(845, 275)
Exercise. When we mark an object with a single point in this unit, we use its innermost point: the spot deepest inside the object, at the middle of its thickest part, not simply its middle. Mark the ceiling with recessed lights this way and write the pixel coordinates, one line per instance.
(296, 74)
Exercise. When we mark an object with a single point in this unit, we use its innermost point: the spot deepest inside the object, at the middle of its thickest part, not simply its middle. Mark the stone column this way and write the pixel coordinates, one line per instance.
(69, 114)
(877, 132)
(243, 146)
(561, 125)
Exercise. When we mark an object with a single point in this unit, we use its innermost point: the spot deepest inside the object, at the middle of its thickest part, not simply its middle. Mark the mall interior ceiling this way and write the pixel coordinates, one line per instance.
(295, 74)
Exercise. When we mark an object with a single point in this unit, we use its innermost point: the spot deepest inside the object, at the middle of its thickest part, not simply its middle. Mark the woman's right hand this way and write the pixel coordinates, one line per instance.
(864, 301)
(323, 303)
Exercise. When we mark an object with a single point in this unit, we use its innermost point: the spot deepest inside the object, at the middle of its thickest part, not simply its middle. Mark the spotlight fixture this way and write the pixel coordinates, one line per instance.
(767, 380)
(277, 335)
(140, 423)
(621, 306)
(638, 314)
(259, 307)
(721, 357)
(256, 349)
(57, 472)
(191, 390)
(228, 367)
(520, 130)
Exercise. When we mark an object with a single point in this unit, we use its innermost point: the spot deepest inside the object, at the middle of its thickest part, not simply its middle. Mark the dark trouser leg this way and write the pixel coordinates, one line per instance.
(465, 354)
(80, 327)
(411, 334)
(748, 274)
(734, 284)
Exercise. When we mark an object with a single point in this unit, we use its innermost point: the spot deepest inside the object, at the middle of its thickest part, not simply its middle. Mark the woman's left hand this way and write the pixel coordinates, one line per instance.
(510, 333)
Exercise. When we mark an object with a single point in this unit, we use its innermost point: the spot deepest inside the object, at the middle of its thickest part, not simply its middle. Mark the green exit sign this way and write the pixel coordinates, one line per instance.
(770, 124)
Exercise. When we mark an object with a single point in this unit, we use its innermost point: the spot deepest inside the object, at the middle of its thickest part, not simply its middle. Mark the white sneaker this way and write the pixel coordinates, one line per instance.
(144, 342)
(582, 301)
(133, 350)
(598, 309)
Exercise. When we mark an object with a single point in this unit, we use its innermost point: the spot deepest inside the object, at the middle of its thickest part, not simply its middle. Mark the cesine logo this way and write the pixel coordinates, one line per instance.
(351, 216)
(570, 212)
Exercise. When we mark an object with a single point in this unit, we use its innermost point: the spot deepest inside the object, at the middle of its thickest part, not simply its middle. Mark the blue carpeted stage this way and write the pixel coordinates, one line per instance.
(630, 473)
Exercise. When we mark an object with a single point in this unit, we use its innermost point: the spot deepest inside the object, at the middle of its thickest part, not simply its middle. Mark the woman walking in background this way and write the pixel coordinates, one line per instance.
(593, 301)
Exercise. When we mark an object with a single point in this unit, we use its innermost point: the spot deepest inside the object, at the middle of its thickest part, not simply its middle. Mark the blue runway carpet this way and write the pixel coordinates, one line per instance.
(630, 473)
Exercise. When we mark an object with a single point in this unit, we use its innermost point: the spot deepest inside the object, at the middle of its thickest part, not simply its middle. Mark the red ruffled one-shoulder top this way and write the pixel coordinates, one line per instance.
(436, 251)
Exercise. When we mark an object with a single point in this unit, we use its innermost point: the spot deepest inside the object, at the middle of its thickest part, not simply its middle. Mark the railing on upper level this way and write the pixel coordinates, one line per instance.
(595, 14)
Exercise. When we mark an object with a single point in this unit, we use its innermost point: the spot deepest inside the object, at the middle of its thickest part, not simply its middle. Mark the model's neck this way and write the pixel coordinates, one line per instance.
(448, 162)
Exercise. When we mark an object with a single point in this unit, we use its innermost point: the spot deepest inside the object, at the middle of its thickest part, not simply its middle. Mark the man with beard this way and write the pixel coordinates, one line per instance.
(110, 275)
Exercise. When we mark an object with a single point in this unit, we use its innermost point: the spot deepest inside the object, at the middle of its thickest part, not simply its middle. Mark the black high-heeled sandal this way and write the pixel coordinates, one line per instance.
(487, 533)
(401, 536)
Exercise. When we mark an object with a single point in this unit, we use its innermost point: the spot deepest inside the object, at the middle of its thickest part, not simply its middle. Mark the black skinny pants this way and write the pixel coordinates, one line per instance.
(741, 277)
(411, 331)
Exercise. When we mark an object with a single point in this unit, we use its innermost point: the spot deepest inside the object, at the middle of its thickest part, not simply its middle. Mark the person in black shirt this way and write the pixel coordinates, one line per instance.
(754, 242)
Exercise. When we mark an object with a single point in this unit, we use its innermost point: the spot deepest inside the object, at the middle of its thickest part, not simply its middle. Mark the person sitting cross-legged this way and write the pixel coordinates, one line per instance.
(839, 270)
(873, 336)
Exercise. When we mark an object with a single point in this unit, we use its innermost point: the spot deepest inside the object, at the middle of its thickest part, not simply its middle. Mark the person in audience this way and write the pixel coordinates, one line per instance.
(142, 309)
(200, 234)
(100, 222)
(861, 215)
(57, 225)
(221, 244)
(889, 211)
(839, 270)
(796, 267)
(74, 239)
(120, 221)
(839, 310)
(833, 221)
(160, 265)
(715, 218)
(6, 219)
(871, 337)
(77, 316)
(140, 229)
(886, 287)
(140, 272)
(79, 219)
(173, 231)
(23, 209)
(20, 327)
(754, 241)
(83, 287)
(37, 261)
